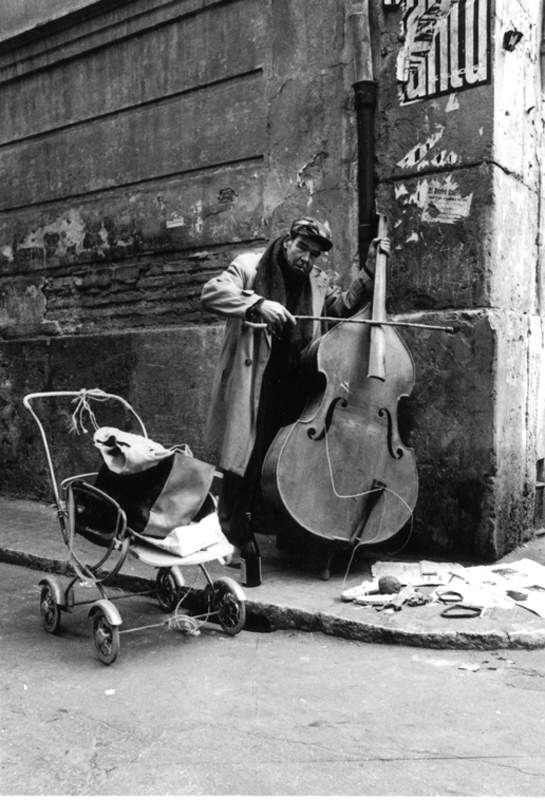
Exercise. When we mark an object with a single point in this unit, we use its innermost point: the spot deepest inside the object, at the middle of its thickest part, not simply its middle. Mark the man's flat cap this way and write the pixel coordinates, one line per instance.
(320, 232)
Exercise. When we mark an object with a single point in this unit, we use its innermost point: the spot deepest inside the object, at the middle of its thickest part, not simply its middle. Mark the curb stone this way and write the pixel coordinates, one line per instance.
(281, 617)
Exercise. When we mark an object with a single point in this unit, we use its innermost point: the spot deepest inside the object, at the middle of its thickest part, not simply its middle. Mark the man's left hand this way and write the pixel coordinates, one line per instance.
(380, 244)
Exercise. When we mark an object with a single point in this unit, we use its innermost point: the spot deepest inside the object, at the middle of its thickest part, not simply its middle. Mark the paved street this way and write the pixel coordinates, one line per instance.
(277, 713)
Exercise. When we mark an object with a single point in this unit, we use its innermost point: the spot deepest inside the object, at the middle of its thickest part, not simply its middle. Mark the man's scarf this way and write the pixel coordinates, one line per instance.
(275, 280)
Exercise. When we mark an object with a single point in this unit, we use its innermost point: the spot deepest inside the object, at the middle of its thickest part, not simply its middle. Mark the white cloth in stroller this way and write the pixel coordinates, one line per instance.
(188, 539)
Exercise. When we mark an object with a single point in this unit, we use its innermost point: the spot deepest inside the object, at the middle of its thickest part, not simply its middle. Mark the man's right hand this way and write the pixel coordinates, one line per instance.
(275, 315)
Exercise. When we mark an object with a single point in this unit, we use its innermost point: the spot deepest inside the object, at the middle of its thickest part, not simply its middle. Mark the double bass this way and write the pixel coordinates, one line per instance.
(341, 471)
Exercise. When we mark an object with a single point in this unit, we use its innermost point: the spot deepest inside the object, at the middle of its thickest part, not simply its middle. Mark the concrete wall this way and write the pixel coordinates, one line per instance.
(147, 143)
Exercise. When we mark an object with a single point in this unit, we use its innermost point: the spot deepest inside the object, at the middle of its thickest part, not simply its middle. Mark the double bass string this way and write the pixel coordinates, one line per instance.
(332, 479)
(356, 494)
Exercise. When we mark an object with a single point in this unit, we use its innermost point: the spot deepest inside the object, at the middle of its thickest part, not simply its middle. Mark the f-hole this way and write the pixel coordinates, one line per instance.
(317, 435)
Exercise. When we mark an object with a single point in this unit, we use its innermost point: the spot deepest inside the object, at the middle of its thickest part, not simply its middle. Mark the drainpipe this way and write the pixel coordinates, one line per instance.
(365, 97)
(541, 29)
(540, 221)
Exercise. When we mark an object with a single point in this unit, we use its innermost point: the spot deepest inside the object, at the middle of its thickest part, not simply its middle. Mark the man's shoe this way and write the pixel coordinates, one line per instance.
(234, 559)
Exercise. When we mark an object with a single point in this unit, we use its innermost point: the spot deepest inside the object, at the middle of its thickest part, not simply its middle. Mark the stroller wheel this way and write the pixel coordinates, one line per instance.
(167, 590)
(105, 638)
(227, 604)
(49, 610)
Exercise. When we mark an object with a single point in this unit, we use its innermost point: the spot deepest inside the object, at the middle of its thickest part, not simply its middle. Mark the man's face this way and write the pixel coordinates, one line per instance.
(301, 253)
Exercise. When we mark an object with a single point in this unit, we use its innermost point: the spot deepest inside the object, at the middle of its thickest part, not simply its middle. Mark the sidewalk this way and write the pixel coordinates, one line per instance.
(291, 597)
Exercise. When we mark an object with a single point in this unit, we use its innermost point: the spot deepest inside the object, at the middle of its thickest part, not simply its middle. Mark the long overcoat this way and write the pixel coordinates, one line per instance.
(245, 353)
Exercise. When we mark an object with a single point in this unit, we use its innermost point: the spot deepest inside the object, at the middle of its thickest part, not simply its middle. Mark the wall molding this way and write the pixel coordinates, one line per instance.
(155, 100)
(89, 30)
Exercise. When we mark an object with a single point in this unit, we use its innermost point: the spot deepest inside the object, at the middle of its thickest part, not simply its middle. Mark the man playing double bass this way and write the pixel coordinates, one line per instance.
(258, 387)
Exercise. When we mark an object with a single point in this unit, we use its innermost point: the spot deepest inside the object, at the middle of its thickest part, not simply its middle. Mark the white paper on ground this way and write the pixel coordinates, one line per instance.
(416, 573)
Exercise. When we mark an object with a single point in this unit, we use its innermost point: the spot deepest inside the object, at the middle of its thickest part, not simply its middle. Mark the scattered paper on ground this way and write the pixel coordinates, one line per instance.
(502, 585)
(417, 573)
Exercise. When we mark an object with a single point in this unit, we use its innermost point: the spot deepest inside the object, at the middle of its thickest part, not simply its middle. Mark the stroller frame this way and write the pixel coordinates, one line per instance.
(224, 599)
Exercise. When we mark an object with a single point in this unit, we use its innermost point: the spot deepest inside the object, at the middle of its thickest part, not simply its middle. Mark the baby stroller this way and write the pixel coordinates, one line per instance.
(91, 517)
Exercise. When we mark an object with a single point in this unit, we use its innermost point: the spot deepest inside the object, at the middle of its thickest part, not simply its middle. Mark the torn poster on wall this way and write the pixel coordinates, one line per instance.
(439, 198)
(446, 47)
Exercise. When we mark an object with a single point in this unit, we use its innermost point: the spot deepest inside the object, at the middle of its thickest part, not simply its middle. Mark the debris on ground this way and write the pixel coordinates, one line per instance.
(459, 591)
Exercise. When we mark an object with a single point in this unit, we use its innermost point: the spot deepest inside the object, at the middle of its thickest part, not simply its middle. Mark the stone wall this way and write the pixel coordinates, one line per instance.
(461, 131)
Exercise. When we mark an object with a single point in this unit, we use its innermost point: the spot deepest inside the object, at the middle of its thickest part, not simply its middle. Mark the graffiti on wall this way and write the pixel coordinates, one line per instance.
(420, 156)
(446, 47)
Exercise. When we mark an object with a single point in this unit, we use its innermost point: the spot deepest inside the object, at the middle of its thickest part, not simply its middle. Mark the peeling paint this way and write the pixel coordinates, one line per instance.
(67, 233)
(227, 195)
(198, 222)
(7, 252)
(305, 178)
(72, 234)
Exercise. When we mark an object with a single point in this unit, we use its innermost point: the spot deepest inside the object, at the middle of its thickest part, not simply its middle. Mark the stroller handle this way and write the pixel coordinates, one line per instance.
(84, 394)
